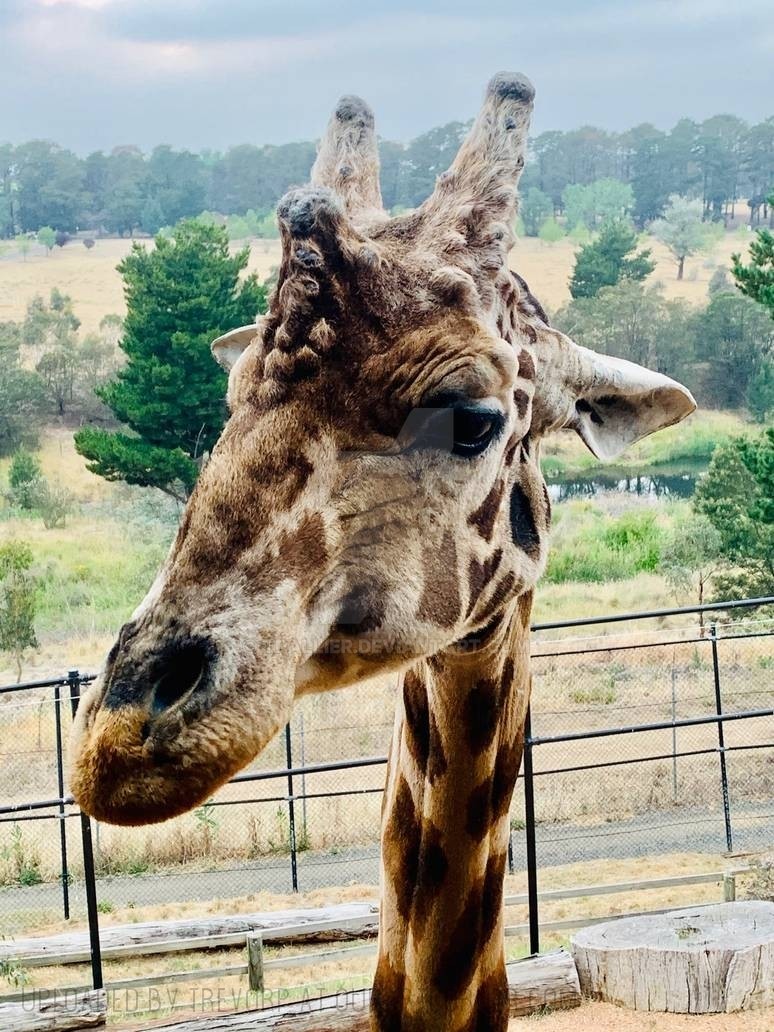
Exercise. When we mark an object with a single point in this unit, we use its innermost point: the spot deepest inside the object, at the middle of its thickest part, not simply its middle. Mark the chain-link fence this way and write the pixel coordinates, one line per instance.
(643, 742)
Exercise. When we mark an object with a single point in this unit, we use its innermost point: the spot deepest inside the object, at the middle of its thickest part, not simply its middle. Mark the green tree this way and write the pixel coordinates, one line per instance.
(760, 392)
(176, 183)
(47, 238)
(757, 279)
(23, 476)
(534, 209)
(691, 558)
(49, 186)
(634, 322)
(680, 229)
(123, 178)
(551, 231)
(648, 171)
(18, 602)
(597, 202)
(22, 395)
(737, 497)
(170, 393)
(734, 338)
(608, 260)
(151, 216)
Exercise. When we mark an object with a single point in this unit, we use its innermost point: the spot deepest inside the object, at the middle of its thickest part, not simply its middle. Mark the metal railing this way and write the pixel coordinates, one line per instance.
(59, 806)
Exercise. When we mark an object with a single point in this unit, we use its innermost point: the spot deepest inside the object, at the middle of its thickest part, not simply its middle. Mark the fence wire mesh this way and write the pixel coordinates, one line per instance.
(703, 788)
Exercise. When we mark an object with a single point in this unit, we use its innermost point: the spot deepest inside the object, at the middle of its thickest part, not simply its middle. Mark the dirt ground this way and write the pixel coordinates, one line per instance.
(604, 1017)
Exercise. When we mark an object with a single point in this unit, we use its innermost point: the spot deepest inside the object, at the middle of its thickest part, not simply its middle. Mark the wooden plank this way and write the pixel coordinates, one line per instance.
(338, 923)
(59, 1013)
(307, 959)
(583, 922)
(535, 983)
(616, 887)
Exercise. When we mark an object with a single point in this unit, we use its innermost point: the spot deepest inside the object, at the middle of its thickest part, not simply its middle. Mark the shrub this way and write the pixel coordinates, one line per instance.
(54, 503)
(62, 238)
(88, 243)
(23, 478)
(608, 549)
(551, 231)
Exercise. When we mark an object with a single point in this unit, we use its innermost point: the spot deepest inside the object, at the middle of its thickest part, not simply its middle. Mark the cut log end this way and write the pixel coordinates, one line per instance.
(701, 960)
(59, 1012)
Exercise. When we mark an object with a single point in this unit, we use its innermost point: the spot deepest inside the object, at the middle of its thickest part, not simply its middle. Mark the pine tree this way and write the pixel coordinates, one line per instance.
(170, 393)
(608, 260)
(757, 279)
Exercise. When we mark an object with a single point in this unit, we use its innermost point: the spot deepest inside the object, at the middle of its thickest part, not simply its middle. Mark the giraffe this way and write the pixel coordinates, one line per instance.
(375, 506)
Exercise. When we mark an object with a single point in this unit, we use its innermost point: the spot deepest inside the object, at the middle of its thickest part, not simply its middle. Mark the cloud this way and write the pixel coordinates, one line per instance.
(199, 73)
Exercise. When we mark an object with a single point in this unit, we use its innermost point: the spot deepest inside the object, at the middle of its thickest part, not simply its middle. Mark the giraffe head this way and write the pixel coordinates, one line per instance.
(375, 496)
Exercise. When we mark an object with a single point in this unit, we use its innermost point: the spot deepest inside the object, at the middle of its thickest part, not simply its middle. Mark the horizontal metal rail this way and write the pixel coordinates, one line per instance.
(650, 614)
(662, 725)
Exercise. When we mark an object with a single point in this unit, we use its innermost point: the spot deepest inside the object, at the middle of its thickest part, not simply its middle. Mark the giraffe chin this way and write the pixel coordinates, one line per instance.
(124, 774)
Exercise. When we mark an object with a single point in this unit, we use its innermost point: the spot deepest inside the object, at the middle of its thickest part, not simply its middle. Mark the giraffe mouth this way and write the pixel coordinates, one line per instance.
(150, 745)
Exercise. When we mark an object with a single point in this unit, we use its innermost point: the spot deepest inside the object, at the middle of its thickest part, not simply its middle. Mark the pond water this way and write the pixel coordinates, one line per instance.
(667, 481)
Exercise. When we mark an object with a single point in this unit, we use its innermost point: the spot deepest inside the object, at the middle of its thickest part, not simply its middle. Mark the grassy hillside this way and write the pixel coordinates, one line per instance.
(90, 277)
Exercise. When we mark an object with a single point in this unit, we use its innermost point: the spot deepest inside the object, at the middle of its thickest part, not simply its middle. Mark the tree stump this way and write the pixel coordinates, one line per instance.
(700, 960)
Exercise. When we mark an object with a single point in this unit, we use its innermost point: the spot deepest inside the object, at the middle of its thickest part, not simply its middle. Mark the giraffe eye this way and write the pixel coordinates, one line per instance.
(453, 425)
(474, 429)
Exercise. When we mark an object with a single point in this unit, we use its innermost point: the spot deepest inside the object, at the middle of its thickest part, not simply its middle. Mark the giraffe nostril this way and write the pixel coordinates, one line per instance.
(185, 668)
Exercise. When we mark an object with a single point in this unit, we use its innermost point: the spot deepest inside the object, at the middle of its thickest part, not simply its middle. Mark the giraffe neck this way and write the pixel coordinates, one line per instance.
(455, 754)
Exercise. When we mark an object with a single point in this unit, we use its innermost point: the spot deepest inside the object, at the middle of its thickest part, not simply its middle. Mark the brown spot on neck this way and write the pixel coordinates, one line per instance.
(423, 737)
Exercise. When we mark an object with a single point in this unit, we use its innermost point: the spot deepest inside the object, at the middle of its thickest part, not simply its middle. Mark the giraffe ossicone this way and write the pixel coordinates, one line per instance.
(375, 505)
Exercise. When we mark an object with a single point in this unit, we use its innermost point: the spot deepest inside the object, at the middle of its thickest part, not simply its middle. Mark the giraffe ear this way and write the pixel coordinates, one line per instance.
(609, 402)
(614, 403)
(227, 349)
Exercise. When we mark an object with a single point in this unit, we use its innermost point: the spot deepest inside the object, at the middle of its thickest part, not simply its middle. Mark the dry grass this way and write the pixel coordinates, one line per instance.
(91, 279)
(331, 974)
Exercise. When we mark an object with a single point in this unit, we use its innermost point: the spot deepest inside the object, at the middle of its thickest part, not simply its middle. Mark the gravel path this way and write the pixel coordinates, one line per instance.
(646, 835)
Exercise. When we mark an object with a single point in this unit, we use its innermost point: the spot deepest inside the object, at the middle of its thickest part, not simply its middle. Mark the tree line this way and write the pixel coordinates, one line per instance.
(717, 161)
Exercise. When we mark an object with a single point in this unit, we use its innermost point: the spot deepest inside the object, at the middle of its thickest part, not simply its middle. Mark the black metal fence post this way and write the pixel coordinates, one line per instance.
(291, 811)
(60, 789)
(529, 819)
(89, 878)
(721, 737)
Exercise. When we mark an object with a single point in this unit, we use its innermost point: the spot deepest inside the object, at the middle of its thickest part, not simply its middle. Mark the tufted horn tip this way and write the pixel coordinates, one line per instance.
(302, 209)
(354, 109)
(511, 86)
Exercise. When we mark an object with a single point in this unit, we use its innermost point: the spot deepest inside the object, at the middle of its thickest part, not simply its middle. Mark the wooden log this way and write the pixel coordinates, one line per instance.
(700, 960)
(255, 961)
(548, 981)
(60, 1012)
(339, 923)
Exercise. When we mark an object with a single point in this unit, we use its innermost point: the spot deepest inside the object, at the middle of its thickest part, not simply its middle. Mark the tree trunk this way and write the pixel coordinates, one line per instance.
(680, 266)
(701, 960)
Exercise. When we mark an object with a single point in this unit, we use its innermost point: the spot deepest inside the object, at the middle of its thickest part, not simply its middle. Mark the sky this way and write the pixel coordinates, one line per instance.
(93, 74)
